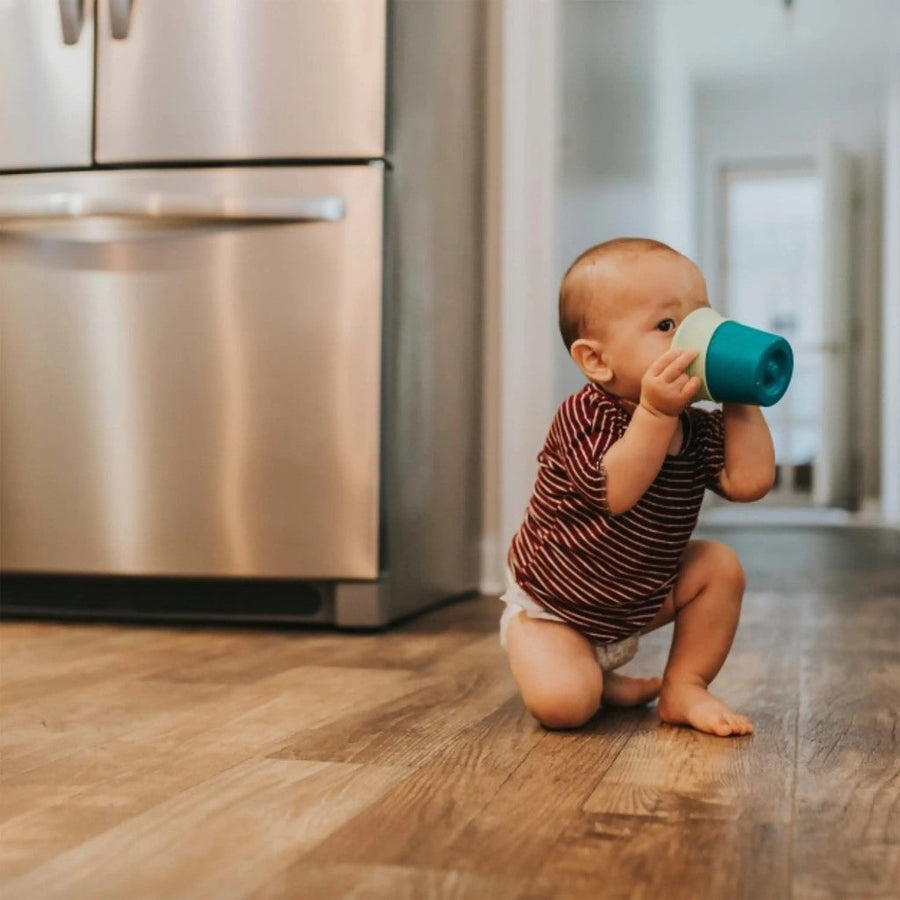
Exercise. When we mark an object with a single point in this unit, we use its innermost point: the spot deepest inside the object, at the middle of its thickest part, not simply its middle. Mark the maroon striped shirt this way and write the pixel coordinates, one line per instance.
(607, 575)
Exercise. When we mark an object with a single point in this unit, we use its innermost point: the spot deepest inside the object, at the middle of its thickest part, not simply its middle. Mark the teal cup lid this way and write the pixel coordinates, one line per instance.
(745, 365)
(736, 363)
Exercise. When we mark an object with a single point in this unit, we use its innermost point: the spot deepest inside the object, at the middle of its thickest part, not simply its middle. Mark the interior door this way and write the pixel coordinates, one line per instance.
(46, 83)
(240, 79)
(772, 275)
(786, 252)
(834, 484)
(190, 372)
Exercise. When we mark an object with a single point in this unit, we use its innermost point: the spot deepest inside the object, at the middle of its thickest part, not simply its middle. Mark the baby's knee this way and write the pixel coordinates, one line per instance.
(724, 566)
(566, 704)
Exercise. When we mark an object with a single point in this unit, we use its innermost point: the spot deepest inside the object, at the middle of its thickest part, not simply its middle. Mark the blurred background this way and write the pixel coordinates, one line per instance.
(204, 215)
(762, 139)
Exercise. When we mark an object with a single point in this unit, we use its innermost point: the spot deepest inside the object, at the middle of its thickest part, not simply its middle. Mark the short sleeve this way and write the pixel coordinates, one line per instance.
(586, 426)
(709, 428)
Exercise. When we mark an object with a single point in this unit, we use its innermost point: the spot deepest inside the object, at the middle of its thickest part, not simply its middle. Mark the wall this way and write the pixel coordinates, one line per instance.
(606, 161)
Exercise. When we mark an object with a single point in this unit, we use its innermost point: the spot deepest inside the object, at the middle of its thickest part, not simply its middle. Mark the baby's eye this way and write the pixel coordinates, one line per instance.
(666, 325)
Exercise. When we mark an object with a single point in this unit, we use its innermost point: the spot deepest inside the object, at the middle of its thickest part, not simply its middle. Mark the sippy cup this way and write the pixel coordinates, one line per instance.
(736, 363)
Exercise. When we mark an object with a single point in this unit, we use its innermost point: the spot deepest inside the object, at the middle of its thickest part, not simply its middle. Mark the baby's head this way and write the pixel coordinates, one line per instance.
(620, 303)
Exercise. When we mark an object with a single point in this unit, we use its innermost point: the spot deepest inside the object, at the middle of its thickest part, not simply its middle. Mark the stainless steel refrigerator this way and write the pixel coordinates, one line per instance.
(240, 260)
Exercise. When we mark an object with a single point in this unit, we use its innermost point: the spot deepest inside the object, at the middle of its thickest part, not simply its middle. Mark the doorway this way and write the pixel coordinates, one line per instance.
(773, 277)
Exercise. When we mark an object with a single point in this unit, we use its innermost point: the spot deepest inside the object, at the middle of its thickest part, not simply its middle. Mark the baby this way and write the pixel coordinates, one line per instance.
(604, 554)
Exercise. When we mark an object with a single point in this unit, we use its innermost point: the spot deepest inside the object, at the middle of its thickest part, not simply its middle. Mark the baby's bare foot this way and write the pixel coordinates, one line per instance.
(620, 690)
(683, 703)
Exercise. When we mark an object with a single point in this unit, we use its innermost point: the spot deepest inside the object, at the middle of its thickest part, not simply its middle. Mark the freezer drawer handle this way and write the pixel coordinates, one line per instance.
(71, 14)
(120, 18)
(175, 206)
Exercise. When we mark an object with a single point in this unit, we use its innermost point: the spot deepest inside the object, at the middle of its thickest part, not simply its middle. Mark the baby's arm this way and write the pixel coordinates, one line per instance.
(634, 461)
(749, 471)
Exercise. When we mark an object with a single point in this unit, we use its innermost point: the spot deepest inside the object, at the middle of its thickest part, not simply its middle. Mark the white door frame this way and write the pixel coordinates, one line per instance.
(520, 289)
(890, 371)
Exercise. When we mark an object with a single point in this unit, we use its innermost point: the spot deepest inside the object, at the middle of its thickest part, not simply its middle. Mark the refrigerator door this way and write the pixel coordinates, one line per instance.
(190, 372)
(240, 79)
(46, 83)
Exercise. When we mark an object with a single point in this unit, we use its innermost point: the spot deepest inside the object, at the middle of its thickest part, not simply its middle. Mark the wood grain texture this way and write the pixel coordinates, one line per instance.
(220, 837)
(231, 763)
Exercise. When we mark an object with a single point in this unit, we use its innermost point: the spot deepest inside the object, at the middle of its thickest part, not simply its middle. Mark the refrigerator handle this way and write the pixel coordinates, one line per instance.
(71, 15)
(120, 18)
(181, 207)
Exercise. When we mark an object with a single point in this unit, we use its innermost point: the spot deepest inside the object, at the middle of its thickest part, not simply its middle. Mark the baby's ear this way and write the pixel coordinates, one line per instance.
(589, 357)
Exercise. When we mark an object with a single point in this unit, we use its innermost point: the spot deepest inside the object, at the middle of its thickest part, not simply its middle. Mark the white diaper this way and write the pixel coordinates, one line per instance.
(609, 656)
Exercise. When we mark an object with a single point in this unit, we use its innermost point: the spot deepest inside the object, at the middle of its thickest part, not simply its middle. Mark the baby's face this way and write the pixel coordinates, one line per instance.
(650, 297)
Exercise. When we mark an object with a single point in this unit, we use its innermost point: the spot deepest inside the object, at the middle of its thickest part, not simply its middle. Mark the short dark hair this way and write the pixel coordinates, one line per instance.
(572, 306)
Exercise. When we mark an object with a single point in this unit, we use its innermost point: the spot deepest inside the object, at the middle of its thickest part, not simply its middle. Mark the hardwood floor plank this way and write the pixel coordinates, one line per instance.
(681, 769)
(272, 653)
(458, 690)
(164, 717)
(517, 831)
(143, 708)
(48, 808)
(23, 644)
(42, 733)
(415, 823)
(848, 792)
(611, 856)
(266, 713)
(221, 838)
(91, 661)
(497, 743)
(303, 880)
(857, 621)
(127, 781)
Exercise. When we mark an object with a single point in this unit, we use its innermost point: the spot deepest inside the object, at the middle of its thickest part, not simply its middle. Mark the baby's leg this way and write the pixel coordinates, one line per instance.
(559, 677)
(556, 670)
(706, 605)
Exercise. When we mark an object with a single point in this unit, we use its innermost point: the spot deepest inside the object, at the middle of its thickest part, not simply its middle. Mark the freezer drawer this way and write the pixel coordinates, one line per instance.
(190, 372)
(46, 83)
(240, 79)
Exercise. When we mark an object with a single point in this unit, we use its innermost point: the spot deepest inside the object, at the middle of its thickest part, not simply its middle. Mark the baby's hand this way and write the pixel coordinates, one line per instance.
(666, 388)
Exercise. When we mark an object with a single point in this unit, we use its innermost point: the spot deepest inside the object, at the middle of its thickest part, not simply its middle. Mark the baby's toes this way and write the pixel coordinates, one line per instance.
(743, 725)
(723, 726)
(739, 724)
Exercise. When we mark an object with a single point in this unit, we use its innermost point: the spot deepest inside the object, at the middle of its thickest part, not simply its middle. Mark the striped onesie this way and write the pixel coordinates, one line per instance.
(607, 575)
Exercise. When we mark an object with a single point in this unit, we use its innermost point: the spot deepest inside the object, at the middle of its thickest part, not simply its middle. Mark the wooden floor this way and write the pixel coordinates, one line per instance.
(162, 762)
